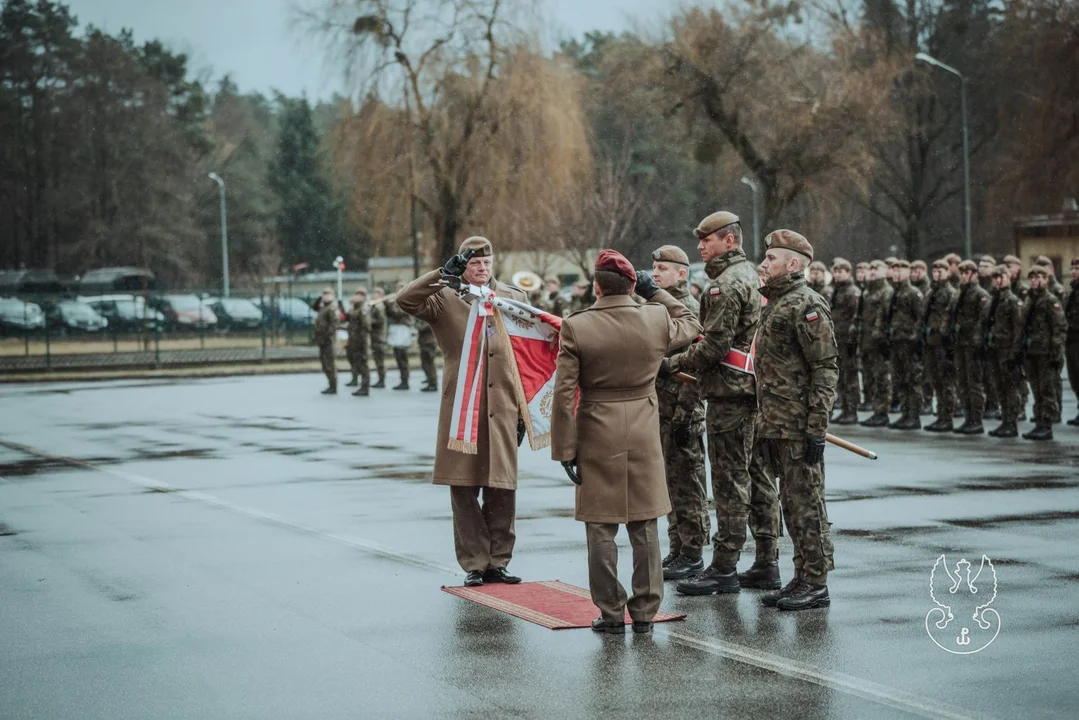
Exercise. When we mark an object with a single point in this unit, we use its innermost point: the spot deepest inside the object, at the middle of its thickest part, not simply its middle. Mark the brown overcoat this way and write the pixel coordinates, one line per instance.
(495, 463)
(612, 351)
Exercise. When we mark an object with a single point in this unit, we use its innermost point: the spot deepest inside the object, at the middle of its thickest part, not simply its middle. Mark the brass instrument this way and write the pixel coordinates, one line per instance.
(527, 280)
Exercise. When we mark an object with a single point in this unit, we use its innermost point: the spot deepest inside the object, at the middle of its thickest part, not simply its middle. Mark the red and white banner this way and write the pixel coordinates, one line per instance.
(532, 335)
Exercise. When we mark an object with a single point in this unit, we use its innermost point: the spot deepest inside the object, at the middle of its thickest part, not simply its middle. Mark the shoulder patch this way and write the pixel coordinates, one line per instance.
(812, 316)
(713, 291)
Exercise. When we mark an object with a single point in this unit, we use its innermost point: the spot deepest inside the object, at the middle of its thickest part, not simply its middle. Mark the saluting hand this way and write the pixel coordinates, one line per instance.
(457, 264)
(646, 285)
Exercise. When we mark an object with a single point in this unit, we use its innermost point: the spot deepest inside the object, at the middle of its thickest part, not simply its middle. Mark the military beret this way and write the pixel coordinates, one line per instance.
(890, 260)
(1038, 270)
(480, 244)
(1011, 260)
(899, 262)
(877, 265)
(671, 254)
(968, 265)
(789, 240)
(862, 264)
(844, 264)
(919, 264)
(987, 259)
(817, 265)
(952, 259)
(715, 221)
(941, 263)
(1001, 271)
(616, 262)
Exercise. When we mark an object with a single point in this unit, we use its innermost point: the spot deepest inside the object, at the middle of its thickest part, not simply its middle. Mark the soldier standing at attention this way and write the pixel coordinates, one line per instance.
(1057, 290)
(1071, 346)
(611, 444)
(483, 534)
(681, 431)
(875, 348)
(796, 380)
(1004, 326)
(953, 261)
(378, 335)
(919, 278)
(845, 303)
(817, 280)
(904, 334)
(861, 279)
(1020, 288)
(1040, 347)
(359, 328)
(972, 314)
(939, 350)
(986, 265)
(428, 351)
(396, 315)
(325, 336)
(722, 364)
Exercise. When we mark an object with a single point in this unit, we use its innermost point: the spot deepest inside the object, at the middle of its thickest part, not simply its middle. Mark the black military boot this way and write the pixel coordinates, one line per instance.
(847, 417)
(805, 597)
(682, 567)
(1074, 421)
(772, 598)
(403, 385)
(911, 422)
(671, 557)
(1040, 432)
(713, 580)
(1006, 430)
(354, 382)
(970, 427)
(876, 420)
(429, 388)
(940, 426)
(381, 384)
(332, 390)
(764, 575)
(363, 391)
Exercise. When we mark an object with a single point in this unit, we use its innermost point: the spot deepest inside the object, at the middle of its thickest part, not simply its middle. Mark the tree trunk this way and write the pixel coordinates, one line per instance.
(446, 223)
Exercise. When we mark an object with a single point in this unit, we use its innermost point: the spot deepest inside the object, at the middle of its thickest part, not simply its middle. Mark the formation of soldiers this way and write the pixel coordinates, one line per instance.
(973, 335)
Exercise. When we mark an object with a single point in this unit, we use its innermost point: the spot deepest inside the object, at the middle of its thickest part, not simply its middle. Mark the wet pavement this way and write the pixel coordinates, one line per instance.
(247, 548)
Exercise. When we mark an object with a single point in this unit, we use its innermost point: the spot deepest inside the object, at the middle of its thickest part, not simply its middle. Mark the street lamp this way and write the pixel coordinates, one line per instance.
(224, 232)
(756, 220)
(930, 60)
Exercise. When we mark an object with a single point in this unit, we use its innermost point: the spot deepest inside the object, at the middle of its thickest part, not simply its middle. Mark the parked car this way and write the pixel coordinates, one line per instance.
(235, 313)
(18, 317)
(290, 312)
(126, 313)
(184, 312)
(72, 316)
(116, 279)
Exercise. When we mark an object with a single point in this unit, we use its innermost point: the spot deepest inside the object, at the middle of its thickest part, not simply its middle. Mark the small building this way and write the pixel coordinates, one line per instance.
(386, 272)
(1055, 236)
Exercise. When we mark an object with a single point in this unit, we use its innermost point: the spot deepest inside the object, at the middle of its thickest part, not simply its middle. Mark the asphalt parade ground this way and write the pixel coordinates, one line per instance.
(248, 548)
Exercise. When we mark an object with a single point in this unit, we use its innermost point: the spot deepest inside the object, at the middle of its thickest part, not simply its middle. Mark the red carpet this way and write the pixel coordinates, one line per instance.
(552, 604)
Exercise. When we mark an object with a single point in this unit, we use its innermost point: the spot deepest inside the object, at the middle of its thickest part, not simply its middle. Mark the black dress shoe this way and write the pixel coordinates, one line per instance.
(762, 576)
(682, 568)
(474, 578)
(602, 626)
(642, 626)
(772, 598)
(330, 391)
(806, 597)
(712, 580)
(499, 575)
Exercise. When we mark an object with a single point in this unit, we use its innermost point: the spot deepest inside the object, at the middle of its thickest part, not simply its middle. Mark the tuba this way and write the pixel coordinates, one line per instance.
(528, 281)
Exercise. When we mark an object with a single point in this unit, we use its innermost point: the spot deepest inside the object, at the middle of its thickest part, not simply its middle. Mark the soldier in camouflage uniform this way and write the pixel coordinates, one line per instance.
(1040, 347)
(730, 313)
(971, 316)
(1058, 290)
(359, 329)
(1071, 345)
(874, 349)
(1020, 288)
(681, 432)
(953, 261)
(378, 335)
(939, 350)
(986, 265)
(325, 337)
(796, 379)
(818, 280)
(1003, 328)
(845, 302)
(396, 316)
(919, 278)
(428, 352)
(904, 334)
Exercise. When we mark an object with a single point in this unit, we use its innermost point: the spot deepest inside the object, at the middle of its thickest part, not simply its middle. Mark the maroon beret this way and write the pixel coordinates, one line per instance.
(615, 261)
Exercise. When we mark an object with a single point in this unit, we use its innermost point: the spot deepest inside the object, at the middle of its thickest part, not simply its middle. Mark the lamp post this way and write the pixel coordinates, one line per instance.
(756, 219)
(224, 232)
(930, 60)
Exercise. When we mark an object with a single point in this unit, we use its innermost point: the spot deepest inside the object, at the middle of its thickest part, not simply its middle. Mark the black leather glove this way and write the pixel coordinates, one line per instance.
(457, 264)
(683, 435)
(814, 449)
(570, 466)
(664, 368)
(646, 286)
(520, 432)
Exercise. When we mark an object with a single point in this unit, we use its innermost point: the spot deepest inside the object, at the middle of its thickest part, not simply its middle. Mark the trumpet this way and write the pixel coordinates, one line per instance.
(527, 280)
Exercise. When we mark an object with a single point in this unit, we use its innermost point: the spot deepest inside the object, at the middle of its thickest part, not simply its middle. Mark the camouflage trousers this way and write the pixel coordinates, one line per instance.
(744, 493)
(428, 351)
(940, 369)
(1043, 383)
(357, 360)
(847, 390)
(1005, 379)
(877, 373)
(908, 384)
(401, 356)
(327, 356)
(801, 492)
(688, 524)
(970, 382)
(378, 355)
(1071, 355)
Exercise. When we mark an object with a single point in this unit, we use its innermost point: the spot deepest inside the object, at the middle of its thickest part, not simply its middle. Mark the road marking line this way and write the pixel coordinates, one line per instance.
(866, 689)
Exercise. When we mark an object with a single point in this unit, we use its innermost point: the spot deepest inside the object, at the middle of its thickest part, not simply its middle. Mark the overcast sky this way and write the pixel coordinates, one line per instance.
(252, 39)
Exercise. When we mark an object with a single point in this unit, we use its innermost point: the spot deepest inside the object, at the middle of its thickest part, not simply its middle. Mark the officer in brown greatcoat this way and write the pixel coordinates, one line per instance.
(483, 533)
(612, 351)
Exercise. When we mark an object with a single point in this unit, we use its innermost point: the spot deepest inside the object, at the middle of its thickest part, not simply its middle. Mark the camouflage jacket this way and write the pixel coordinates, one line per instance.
(679, 402)
(905, 316)
(845, 311)
(940, 307)
(1056, 288)
(924, 285)
(325, 329)
(1043, 328)
(730, 313)
(874, 313)
(971, 315)
(826, 291)
(378, 323)
(797, 361)
(359, 325)
(1071, 312)
(1004, 320)
(1020, 288)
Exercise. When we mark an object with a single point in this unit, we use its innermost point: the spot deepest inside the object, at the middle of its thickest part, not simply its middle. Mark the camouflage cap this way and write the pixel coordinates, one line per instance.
(878, 265)
(968, 265)
(480, 244)
(1011, 260)
(671, 254)
(919, 264)
(360, 291)
(862, 265)
(952, 259)
(789, 240)
(817, 265)
(1001, 271)
(987, 260)
(1038, 270)
(715, 221)
(941, 263)
(844, 264)
(1043, 260)
(899, 263)
(890, 260)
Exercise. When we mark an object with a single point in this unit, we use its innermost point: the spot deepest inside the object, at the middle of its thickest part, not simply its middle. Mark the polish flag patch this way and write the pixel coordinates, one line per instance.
(812, 316)
(714, 291)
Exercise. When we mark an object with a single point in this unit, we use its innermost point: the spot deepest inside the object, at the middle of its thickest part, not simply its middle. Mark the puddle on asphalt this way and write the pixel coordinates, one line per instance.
(892, 534)
(1033, 518)
(7, 531)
